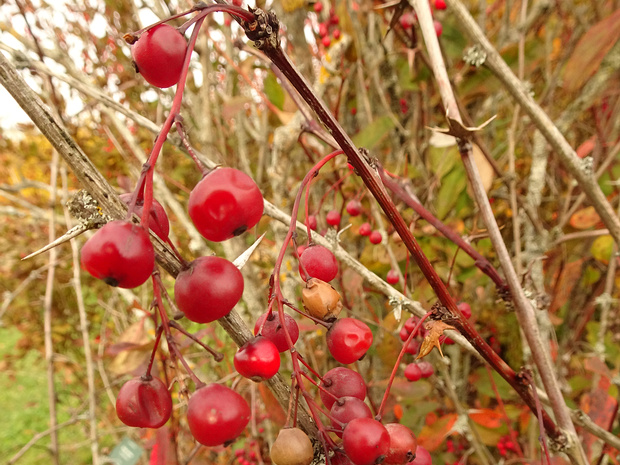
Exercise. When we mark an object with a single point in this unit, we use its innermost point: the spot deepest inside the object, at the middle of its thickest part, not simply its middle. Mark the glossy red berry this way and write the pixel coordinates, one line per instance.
(318, 7)
(465, 309)
(273, 330)
(322, 30)
(257, 359)
(333, 217)
(208, 289)
(365, 229)
(144, 403)
(413, 372)
(224, 204)
(354, 207)
(406, 20)
(404, 334)
(158, 220)
(216, 415)
(348, 340)
(336, 34)
(326, 41)
(346, 409)
(237, 2)
(120, 253)
(411, 323)
(438, 28)
(375, 237)
(403, 445)
(341, 382)
(320, 263)
(365, 441)
(413, 347)
(440, 5)
(426, 369)
(159, 54)
(392, 277)
(312, 222)
(422, 457)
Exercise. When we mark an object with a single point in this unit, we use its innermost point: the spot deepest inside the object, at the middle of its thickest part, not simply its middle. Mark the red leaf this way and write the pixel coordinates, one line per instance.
(487, 417)
(431, 437)
(590, 51)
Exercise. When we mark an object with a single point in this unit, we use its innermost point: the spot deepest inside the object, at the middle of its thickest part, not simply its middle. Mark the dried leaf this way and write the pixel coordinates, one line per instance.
(456, 128)
(433, 436)
(434, 330)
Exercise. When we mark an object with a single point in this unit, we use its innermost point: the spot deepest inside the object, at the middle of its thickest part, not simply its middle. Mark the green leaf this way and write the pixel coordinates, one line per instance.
(274, 91)
(451, 187)
(442, 159)
(372, 134)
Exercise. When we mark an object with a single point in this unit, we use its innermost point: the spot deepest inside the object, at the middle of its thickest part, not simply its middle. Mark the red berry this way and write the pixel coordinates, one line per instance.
(438, 28)
(217, 415)
(412, 372)
(422, 457)
(346, 409)
(411, 323)
(341, 382)
(336, 34)
(404, 334)
(208, 289)
(392, 277)
(257, 359)
(426, 369)
(326, 41)
(406, 20)
(354, 207)
(159, 54)
(322, 30)
(365, 440)
(440, 5)
(158, 220)
(144, 403)
(403, 445)
(333, 218)
(272, 329)
(224, 204)
(465, 309)
(333, 19)
(320, 263)
(318, 7)
(413, 347)
(348, 340)
(237, 2)
(375, 237)
(353, 111)
(365, 229)
(311, 222)
(120, 253)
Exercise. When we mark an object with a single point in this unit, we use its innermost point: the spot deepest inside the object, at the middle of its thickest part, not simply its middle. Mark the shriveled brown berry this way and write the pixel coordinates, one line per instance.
(292, 447)
(321, 300)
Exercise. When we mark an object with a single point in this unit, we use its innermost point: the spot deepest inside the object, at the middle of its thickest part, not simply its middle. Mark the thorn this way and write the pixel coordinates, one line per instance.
(242, 259)
(72, 233)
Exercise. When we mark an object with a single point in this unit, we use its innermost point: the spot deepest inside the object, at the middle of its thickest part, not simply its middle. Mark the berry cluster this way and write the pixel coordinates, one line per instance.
(327, 29)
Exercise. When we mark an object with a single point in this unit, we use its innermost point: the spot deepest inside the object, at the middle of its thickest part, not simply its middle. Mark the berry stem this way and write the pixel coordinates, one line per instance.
(397, 364)
(160, 329)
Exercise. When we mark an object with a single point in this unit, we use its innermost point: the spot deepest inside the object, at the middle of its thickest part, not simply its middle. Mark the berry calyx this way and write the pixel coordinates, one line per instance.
(403, 445)
(158, 220)
(120, 253)
(159, 54)
(341, 382)
(144, 403)
(273, 330)
(258, 359)
(354, 207)
(392, 277)
(348, 340)
(319, 262)
(321, 300)
(225, 203)
(333, 217)
(365, 441)
(292, 447)
(365, 229)
(217, 415)
(208, 289)
(375, 237)
(413, 372)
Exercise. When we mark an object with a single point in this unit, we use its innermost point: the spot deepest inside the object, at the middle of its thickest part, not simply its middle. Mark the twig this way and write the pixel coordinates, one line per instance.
(523, 308)
(565, 152)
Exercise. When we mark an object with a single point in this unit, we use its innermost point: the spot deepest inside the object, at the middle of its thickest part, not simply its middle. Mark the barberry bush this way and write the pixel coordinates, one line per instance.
(328, 232)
